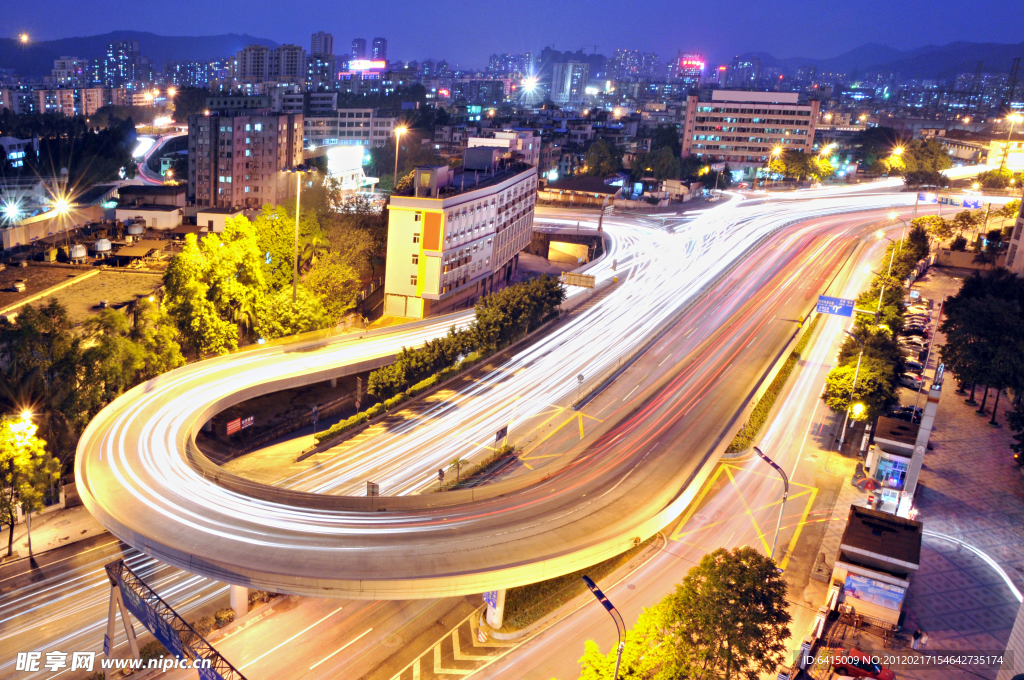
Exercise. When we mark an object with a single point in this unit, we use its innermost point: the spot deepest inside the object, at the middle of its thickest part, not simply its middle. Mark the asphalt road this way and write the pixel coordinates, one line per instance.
(135, 476)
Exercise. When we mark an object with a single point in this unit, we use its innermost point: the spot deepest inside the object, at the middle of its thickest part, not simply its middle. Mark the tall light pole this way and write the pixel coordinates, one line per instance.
(399, 131)
(1013, 119)
(893, 216)
(299, 171)
(620, 626)
(888, 273)
(785, 495)
(856, 373)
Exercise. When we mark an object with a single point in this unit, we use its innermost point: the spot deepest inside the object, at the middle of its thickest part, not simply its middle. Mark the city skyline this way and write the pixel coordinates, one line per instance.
(786, 30)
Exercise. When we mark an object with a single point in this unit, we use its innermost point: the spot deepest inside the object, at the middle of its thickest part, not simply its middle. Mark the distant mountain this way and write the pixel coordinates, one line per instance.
(36, 58)
(930, 61)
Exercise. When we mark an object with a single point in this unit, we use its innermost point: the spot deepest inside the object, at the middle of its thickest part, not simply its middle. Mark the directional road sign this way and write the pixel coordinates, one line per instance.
(836, 306)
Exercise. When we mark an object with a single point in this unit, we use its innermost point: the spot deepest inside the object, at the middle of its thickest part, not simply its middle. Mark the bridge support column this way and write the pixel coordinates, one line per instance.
(238, 596)
(495, 615)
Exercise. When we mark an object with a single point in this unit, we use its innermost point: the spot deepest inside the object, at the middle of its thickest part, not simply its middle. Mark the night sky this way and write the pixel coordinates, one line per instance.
(466, 32)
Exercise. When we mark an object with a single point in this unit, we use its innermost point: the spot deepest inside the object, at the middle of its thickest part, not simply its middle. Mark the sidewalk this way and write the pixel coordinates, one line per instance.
(52, 530)
(969, 490)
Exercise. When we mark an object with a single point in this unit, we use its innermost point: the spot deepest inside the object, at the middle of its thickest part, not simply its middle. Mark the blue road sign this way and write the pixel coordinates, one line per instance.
(316, 414)
(491, 598)
(836, 306)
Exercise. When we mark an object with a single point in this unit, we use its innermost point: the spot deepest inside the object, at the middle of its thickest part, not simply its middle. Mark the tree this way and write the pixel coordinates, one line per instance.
(666, 137)
(214, 286)
(602, 159)
(876, 389)
(934, 225)
(661, 164)
(333, 279)
(275, 238)
(26, 471)
(277, 316)
(43, 369)
(727, 618)
(457, 465)
(922, 178)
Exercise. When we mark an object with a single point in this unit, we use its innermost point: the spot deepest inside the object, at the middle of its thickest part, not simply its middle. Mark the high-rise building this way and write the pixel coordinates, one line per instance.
(510, 64)
(569, 82)
(688, 68)
(322, 43)
(380, 49)
(359, 48)
(320, 70)
(237, 157)
(259, 63)
(633, 65)
(458, 237)
(70, 71)
(187, 73)
(123, 64)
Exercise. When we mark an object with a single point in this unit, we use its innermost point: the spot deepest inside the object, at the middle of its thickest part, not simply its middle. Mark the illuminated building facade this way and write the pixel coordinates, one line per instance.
(237, 157)
(458, 237)
(742, 128)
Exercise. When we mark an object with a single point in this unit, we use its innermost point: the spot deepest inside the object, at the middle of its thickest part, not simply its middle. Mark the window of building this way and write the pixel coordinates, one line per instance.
(418, 217)
(412, 280)
(416, 237)
(415, 259)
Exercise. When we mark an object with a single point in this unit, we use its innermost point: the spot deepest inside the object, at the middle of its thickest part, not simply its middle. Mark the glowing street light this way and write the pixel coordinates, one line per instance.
(11, 212)
(299, 171)
(171, 91)
(399, 131)
(530, 85)
(898, 151)
(1012, 119)
(23, 38)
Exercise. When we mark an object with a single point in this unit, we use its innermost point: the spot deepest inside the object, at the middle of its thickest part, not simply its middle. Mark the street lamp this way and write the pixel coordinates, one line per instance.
(620, 626)
(1013, 119)
(893, 216)
(776, 152)
(299, 171)
(785, 495)
(856, 372)
(399, 131)
(888, 273)
(23, 38)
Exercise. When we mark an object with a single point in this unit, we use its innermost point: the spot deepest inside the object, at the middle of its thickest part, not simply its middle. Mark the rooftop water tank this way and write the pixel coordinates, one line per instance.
(136, 229)
(102, 246)
(78, 251)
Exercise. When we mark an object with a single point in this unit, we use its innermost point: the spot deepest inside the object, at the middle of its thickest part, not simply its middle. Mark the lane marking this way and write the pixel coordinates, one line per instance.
(301, 632)
(356, 639)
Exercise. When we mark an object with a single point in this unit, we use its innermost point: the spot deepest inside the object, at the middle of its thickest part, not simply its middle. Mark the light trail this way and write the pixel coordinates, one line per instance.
(136, 478)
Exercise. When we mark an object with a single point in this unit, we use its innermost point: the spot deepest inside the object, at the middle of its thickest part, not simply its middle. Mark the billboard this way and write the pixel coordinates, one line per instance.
(874, 592)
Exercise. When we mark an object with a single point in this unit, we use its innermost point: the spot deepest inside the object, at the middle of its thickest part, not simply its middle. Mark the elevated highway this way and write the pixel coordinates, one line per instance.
(732, 271)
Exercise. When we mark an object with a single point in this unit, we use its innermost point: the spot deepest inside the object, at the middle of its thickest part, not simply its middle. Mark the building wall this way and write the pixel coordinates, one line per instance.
(1015, 255)
(744, 132)
(444, 254)
(238, 160)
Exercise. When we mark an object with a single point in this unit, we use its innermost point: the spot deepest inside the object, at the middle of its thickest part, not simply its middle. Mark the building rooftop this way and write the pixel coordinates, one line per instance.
(883, 535)
(897, 430)
(220, 211)
(583, 184)
(143, 207)
(143, 190)
(465, 181)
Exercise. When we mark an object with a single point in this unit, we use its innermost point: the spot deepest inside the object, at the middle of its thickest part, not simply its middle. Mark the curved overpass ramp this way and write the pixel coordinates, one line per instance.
(140, 474)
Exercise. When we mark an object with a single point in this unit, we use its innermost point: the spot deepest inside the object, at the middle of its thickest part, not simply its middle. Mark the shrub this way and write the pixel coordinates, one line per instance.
(223, 617)
(958, 244)
(205, 625)
(153, 650)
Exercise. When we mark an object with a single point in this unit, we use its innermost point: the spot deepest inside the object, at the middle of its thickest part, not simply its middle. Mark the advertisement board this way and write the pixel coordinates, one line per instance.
(875, 592)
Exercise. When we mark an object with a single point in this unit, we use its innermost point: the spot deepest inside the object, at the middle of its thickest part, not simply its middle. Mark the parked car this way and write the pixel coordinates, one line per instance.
(919, 331)
(912, 341)
(911, 414)
(918, 318)
(918, 309)
(857, 664)
(914, 367)
(912, 381)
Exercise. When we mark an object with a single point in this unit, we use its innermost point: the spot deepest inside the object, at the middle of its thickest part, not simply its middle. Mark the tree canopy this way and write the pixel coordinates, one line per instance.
(26, 471)
(602, 159)
(727, 618)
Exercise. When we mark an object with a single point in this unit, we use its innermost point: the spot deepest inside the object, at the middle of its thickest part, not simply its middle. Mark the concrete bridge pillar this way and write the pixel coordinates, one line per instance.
(238, 596)
(495, 615)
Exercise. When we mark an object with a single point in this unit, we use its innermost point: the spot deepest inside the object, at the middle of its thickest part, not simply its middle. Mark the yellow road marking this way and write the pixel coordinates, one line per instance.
(799, 528)
(750, 514)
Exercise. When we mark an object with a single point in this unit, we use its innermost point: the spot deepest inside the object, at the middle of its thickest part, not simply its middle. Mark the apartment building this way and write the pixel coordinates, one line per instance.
(569, 83)
(348, 127)
(1015, 258)
(458, 236)
(259, 63)
(237, 157)
(70, 71)
(742, 128)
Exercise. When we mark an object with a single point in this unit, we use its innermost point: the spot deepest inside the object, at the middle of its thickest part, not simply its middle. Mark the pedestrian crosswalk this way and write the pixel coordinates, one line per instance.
(461, 652)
